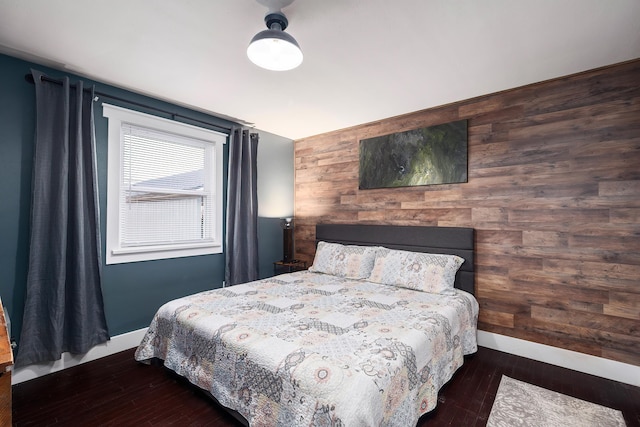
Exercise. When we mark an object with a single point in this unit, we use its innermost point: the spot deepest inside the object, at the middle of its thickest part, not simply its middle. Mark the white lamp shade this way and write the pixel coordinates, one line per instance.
(274, 50)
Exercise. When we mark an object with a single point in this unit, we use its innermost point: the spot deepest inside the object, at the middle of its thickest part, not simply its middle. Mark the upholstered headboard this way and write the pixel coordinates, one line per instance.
(438, 240)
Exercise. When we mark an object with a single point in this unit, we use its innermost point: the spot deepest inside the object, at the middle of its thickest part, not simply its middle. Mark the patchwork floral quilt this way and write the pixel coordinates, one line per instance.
(311, 349)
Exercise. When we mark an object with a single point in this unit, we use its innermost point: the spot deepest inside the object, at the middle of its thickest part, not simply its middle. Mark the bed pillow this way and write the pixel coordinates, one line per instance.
(433, 273)
(349, 261)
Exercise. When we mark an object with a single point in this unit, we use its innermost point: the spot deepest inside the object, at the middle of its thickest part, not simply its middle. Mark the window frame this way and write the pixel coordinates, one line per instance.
(115, 252)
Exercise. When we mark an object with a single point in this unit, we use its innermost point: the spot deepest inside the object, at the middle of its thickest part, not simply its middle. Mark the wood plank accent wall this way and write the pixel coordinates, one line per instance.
(553, 194)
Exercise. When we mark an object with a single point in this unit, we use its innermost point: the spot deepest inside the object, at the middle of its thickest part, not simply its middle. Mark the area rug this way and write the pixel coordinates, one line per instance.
(521, 404)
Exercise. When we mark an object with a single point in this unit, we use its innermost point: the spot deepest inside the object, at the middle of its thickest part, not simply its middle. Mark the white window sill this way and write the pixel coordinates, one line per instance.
(147, 253)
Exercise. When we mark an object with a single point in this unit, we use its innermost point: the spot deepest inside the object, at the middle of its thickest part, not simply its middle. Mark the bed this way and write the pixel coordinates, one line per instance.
(366, 337)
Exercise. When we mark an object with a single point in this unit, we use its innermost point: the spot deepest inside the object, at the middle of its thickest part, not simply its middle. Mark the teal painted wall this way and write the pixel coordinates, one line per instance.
(132, 292)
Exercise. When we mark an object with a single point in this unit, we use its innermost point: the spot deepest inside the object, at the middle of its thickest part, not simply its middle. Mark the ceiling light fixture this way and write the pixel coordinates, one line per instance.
(274, 49)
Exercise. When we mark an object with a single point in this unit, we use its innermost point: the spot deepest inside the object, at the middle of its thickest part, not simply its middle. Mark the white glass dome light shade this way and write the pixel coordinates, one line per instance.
(275, 50)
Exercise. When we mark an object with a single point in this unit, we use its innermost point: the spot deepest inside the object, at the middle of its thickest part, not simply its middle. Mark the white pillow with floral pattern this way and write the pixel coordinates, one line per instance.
(433, 273)
(350, 261)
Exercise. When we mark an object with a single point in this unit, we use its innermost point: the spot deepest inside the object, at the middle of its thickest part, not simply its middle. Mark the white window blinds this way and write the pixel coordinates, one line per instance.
(166, 192)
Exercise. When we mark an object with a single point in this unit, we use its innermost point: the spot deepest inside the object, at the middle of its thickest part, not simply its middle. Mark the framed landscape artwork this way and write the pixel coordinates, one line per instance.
(426, 156)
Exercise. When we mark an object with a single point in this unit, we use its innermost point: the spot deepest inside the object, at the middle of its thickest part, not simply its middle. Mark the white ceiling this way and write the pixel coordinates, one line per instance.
(364, 59)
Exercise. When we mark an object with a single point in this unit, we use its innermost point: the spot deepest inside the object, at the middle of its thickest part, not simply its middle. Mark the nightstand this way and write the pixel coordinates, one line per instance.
(280, 267)
(6, 362)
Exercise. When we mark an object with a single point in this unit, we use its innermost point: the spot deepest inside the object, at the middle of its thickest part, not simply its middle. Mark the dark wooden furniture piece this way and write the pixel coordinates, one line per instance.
(6, 362)
(280, 267)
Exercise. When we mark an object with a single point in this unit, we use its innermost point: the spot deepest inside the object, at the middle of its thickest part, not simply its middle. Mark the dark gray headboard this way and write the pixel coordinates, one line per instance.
(437, 240)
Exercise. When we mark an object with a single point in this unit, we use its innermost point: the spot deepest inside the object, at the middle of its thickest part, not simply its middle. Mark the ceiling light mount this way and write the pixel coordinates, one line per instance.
(276, 18)
(273, 49)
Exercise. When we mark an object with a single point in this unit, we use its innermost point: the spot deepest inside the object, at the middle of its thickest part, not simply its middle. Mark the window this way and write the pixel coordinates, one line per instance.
(164, 188)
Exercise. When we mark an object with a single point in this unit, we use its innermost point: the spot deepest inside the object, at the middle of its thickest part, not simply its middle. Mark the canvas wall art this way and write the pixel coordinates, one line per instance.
(426, 156)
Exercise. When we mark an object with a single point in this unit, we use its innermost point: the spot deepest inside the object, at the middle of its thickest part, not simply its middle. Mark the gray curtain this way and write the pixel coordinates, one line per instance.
(242, 209)
(64, 308)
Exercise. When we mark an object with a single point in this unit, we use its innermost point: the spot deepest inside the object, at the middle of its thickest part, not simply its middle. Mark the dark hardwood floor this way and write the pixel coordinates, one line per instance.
(116, 390)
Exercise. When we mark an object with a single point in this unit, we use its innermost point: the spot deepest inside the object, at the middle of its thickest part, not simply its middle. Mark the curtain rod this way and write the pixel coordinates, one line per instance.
(29, 78)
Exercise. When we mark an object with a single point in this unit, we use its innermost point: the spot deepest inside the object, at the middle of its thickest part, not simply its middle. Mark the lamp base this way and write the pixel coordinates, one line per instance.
(287, 244)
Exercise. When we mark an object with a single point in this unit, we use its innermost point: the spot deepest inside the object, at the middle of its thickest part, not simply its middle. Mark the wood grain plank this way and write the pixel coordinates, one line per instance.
(619, 188)
(553, 194)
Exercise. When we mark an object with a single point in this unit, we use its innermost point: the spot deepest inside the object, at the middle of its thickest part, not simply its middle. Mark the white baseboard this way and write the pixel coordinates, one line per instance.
(593, 365)
(115, 345)
(598, 366)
